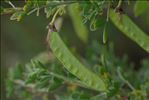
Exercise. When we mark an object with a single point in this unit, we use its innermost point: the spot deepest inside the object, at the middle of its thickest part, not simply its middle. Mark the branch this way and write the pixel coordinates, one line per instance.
(11, 10)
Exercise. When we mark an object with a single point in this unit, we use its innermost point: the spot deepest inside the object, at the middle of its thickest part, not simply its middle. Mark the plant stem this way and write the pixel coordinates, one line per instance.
(98, 96)
(10, 3)
(33, 86)
(11, 10)
(54, 17)
(119, 4)
(14, 9)
(75, 82)
(124, 80)
(29, 86)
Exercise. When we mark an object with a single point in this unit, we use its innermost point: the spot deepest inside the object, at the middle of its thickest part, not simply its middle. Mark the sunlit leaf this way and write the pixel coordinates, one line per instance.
(17, 16)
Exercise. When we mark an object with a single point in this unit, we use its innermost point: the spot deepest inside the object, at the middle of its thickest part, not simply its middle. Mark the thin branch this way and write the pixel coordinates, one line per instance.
(14, 9)
(11, 10)
(29, 86)
(61, 3)
(33, 86)
(32, 11)
(98, 96)
(124, 80)
(11, 4)
(54, 17)
(119, 4)
(68, 80)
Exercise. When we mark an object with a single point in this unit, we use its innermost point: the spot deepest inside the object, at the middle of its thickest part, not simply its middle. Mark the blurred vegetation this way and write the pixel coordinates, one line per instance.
(83, 26)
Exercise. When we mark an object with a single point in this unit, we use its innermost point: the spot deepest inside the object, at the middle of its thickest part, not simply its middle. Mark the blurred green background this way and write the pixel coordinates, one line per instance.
(20, 41)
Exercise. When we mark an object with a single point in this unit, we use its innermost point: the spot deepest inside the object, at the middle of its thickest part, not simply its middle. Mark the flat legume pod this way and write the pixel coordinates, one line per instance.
(72, 64)
(131, 30)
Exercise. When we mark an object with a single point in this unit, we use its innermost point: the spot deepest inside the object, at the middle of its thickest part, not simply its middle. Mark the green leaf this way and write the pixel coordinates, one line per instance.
(41, 65)
(43, 82)
(113, 89)
(80, 95)
(16, 72)
(140, 7)
(49, 11)
(9, 87)
(56, 83)
(27, 95)
(100, 21)
(17, 15)
(31, 78)
(1, 9)
(56, 68)
(28, 6)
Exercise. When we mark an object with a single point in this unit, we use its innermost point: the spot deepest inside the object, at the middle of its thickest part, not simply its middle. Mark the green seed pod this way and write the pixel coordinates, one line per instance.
(72, 64)
(130, 29)
(105, 34)
(79, 27)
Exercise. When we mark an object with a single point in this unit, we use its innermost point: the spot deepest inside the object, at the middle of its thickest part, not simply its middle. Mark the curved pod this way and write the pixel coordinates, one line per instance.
(71, 63)
(131, 30)
(79, 27)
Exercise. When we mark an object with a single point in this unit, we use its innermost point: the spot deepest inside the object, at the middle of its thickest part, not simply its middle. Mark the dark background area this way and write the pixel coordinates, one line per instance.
(20, 41)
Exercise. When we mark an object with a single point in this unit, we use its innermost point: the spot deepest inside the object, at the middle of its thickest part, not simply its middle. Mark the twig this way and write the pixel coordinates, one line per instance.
(10, 3)
(11, 10)
(14, 9)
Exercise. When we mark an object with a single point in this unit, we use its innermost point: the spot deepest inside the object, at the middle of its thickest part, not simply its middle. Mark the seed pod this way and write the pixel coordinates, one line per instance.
(105, 34)
(130, 29)
(72, 64)
(79, 27)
